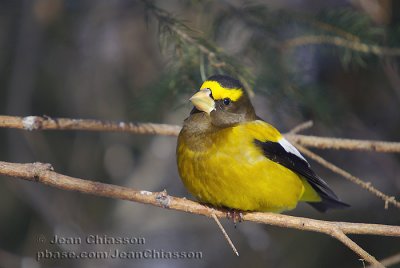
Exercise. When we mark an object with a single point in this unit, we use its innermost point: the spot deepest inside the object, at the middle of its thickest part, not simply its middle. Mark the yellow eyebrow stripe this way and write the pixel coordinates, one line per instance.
(220, 92)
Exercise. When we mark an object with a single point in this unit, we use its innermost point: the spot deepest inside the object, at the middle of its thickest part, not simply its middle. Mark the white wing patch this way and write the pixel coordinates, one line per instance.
(290, 148)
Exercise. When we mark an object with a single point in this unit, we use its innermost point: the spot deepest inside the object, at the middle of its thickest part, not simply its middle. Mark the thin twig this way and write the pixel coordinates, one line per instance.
(341, 42)
(47, 123)
(347, 175)
(301, 127)
(211, 55)
(43, 173)
(215, 55)
(225, 234)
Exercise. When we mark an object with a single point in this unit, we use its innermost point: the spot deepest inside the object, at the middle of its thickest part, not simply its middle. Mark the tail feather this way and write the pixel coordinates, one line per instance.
(321, 198)
(328, 202)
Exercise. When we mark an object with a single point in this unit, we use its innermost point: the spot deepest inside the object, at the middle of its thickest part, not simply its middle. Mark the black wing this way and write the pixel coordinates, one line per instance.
(275, 152)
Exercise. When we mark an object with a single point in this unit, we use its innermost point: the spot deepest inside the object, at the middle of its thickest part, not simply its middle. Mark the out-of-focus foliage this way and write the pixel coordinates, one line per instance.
(140, 61)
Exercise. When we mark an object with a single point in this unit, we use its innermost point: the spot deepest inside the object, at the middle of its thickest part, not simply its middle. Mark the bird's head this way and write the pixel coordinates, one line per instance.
(224, 99)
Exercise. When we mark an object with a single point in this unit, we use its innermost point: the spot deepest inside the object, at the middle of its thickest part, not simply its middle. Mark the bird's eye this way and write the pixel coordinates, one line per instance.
(227, 101)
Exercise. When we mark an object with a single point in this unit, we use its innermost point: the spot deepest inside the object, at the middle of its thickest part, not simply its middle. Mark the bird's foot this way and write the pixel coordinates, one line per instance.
(234, 215)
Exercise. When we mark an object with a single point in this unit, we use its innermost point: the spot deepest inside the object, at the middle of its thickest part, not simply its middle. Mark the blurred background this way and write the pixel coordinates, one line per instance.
(333, 62)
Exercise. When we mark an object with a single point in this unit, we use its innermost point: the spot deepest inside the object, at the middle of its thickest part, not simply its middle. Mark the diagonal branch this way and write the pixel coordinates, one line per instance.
(339, 235)
(353, 179)
(43, 173)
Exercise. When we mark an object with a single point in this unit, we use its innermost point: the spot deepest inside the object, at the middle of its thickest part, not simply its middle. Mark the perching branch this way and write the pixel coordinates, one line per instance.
(47, 123)
(43, 173)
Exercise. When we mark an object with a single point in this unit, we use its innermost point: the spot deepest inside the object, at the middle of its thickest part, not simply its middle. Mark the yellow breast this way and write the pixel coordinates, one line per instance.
(225, 168)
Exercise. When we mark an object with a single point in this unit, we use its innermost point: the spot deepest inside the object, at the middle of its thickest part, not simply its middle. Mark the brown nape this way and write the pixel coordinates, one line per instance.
(236, 112)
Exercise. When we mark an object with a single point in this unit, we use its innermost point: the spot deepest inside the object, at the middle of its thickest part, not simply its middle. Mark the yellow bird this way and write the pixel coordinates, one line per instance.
(228, 157)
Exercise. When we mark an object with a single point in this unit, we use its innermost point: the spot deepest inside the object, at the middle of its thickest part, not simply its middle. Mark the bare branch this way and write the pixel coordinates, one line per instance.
(347, 175)
(345, 144)
(47, 123)
(43, 173)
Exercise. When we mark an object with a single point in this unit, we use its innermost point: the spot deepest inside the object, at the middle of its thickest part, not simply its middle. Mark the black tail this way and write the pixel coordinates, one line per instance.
(296, 163)
(328, 202)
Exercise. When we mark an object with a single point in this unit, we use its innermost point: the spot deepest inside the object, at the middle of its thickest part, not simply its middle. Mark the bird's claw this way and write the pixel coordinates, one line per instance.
(236, 216)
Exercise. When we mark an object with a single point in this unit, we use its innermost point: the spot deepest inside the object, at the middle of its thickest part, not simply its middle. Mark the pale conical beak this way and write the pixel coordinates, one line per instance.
(202, 101)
